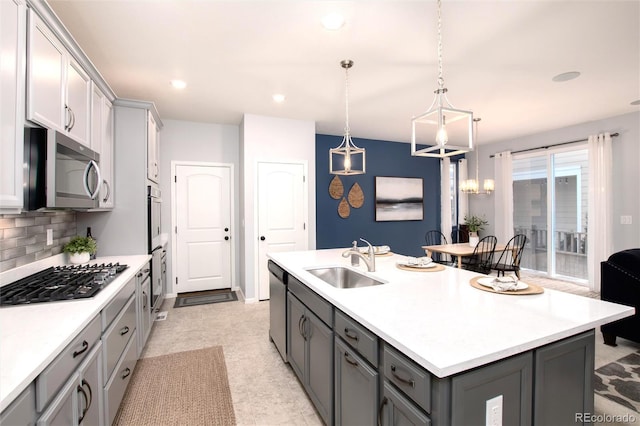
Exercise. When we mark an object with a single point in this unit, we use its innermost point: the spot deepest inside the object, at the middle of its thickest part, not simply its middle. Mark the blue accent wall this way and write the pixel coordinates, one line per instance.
(383, 159)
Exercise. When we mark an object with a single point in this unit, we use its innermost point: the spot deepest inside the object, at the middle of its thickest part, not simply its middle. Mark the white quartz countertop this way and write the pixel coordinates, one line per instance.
(31, 336)
(443, 323)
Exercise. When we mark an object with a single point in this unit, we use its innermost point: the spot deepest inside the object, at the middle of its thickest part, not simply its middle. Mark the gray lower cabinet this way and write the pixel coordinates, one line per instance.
(144, 312)
(564, 380)
(511, 379)
(22, 410)
(78, 403)
(311, 355)
(397, 410)
(356, 387)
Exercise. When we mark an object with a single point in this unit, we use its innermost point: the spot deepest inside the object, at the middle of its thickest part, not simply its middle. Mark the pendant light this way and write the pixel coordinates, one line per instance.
(347, 158)
(442, 121)
(472, 186)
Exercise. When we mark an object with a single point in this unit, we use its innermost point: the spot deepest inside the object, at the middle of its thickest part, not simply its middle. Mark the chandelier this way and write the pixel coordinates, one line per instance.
(442, 120)
(349, 159)
(472, 186)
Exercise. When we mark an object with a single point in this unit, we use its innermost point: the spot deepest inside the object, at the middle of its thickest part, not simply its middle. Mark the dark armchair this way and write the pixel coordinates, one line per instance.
(620, 283)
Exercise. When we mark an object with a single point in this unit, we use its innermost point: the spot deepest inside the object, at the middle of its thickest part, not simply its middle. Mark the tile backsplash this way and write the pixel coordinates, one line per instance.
(23, 237)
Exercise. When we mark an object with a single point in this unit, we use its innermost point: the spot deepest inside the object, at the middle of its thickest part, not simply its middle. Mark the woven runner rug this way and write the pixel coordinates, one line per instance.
(619, 381)
(185, 388)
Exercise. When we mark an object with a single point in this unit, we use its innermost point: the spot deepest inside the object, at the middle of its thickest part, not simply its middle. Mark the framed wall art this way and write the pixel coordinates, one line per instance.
(399, 198)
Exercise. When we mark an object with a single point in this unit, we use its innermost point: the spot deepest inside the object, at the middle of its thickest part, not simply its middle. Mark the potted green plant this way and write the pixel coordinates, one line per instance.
(80, 249)
(474, 224)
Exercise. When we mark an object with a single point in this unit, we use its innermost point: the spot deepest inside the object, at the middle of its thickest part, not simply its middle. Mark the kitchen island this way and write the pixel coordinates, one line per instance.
(457, 333)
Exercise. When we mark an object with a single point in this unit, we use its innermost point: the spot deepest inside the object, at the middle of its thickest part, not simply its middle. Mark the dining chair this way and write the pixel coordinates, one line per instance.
(436, 238)
(510, 257)
(482, 258)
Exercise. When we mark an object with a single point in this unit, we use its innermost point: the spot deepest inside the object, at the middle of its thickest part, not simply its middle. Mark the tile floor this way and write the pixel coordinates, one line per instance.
(265, 391)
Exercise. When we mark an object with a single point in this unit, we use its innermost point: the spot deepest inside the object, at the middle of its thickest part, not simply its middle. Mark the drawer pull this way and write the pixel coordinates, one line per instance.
(124, 330)
(348, 359)
(382, 404)
(85, 346)
(351, 334)
(408, 381)
(126, 373)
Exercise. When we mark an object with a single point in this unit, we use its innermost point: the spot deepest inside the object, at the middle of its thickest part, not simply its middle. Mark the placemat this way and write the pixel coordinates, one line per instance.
(532, 289)
(389, 253)
(414, 269)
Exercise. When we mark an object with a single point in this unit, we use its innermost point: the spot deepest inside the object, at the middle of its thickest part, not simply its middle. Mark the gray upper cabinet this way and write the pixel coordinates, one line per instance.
(13, 15)
(58, 89)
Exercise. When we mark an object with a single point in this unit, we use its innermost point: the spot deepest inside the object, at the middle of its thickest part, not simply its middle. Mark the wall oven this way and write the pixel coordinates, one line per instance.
(60, 172)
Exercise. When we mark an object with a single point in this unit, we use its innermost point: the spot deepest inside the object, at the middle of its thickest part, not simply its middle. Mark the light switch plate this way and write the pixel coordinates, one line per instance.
(625, 220)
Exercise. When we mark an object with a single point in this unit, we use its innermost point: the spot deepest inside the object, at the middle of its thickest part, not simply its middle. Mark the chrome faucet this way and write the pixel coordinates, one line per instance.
(369, 259)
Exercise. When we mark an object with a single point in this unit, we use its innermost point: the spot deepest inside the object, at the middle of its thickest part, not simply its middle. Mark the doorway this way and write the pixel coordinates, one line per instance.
(282, 214)
(203, 207)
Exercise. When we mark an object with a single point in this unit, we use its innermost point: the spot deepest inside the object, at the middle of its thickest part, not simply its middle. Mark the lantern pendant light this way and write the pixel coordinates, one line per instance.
(472, 186)
(347, 158)
(439, 120)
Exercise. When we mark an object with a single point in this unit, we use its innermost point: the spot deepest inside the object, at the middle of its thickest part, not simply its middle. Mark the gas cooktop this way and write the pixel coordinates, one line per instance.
(57, 283)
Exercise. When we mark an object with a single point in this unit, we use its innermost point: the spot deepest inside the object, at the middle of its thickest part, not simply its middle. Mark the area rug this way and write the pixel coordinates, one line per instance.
(204, 298)
(184, 388)
(619, 381)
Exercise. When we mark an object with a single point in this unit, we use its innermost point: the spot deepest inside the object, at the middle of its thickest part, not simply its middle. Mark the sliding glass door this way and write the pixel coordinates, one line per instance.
(550, 192)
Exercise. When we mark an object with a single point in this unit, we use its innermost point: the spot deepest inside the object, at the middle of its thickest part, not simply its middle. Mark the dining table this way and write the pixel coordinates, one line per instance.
(458, 250)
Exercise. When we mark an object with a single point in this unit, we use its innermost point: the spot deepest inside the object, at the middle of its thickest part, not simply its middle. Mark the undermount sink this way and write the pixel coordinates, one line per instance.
(341, 277)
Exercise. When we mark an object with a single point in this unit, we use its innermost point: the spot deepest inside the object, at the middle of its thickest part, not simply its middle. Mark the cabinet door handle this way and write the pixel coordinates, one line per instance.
(124, 330)
(88, 386)
(126, 373)
(301, 325)
(106, 197)
(144, 300)
(68, 114)
(73, 119)
(349, 360)
(408, 381)
(380, 410)
(85, 346)
(353, 335)
(80, 389)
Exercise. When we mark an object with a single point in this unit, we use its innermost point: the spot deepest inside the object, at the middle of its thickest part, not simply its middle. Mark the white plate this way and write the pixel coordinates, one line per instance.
(376, 250)
(414, 265)
(489, 281)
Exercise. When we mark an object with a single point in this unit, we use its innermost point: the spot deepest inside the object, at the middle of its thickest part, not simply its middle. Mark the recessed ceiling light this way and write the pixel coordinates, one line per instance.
(636, 102)
(178, 84)
(333, 21)
(566, 76)
(279, 98)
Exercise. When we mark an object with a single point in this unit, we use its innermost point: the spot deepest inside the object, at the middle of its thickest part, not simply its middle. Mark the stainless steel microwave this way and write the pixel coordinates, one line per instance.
(59, 172)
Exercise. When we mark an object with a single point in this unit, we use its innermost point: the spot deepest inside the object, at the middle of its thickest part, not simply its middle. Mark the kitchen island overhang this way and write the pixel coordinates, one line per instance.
(444, 324)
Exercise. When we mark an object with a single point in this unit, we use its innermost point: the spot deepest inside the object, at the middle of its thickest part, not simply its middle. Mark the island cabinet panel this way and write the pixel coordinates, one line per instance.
(512, 378)
(357, 336)
(397, 410)
(310, 342)
(564, 380)
(356, 387)
(407, 376)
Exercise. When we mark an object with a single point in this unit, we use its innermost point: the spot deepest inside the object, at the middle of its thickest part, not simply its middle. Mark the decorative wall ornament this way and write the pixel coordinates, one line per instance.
(336, 189)
(356, 196)
(343, 208)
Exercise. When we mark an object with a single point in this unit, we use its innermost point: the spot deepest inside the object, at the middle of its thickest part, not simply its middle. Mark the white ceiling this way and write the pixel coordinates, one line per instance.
(499, 58)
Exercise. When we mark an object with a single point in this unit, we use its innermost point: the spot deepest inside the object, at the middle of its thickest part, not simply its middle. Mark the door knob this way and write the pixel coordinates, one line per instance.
(226, 229)
(262, 238)
(226, 238)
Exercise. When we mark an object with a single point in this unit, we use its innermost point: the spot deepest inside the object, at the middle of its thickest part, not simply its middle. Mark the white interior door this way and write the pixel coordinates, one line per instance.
(203, 221)
(282, 214)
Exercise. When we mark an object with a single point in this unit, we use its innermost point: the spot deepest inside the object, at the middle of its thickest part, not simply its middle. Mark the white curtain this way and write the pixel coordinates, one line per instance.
(599, 220)
(463, 199)
(445, 198)
(503, 197)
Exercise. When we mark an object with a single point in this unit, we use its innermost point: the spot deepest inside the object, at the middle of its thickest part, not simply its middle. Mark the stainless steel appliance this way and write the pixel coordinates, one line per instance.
(60, 172)
(57, 283)
(158, 254)
(278, 307)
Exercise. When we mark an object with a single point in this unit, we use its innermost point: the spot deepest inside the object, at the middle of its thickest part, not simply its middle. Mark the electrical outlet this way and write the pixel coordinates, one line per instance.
(625, 220)
(494, 411)
(49, 236)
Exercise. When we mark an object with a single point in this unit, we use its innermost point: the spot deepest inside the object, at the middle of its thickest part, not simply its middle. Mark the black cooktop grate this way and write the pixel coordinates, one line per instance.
(60, 283)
